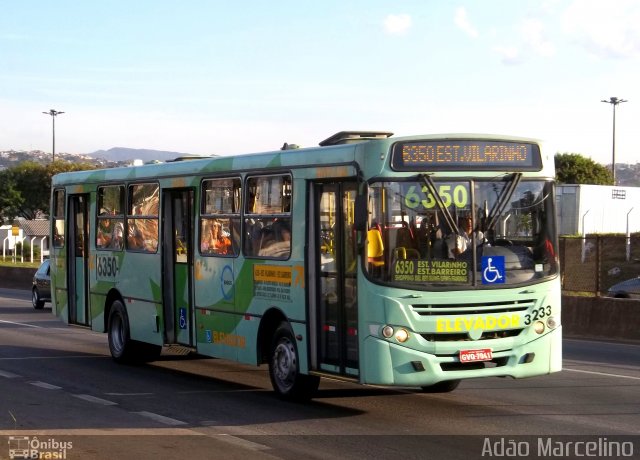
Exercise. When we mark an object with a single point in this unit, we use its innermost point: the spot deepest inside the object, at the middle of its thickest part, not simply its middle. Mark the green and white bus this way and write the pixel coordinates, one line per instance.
(412, 261)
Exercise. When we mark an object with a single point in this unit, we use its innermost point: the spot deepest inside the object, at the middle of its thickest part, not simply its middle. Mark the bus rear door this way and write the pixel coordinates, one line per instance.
(177, 259)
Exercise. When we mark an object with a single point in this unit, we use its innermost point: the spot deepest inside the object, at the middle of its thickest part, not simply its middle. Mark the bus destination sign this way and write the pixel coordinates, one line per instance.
(466, 154)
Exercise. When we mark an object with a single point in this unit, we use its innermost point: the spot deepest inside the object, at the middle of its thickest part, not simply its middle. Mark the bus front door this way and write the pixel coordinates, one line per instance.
(334, 306)
(177, 250)
(78, 260)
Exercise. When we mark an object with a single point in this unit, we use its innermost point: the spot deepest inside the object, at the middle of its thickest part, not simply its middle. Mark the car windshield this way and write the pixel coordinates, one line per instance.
(426, 234)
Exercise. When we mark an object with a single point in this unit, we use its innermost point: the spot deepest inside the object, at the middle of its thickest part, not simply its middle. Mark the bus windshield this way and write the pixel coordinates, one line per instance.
(430, 234)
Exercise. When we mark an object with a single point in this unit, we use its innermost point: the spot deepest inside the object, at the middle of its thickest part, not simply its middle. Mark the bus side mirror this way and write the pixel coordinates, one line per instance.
(361, 214)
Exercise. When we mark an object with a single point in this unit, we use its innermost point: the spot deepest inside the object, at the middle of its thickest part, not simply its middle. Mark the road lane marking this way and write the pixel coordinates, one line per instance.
(161, 418)
(8, 375)
(603, 374)
(45, 385)
(231, 439)
(93, 399)
(20, 324)
(129, 394)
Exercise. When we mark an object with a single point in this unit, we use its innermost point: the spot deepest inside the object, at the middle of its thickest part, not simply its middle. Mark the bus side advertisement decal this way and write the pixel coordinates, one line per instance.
(272, 282)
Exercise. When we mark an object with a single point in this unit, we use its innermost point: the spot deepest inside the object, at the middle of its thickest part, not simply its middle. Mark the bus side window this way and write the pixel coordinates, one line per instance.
(267, 229)
(277, 242)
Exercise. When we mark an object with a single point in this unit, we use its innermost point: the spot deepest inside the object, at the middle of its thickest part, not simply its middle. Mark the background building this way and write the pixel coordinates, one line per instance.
(586, 209)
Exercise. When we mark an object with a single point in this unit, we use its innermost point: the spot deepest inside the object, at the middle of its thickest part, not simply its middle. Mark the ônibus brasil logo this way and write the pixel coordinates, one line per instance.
(21, 447)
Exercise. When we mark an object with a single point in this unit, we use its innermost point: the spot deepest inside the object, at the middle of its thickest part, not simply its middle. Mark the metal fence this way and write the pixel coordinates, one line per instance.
(591, 265)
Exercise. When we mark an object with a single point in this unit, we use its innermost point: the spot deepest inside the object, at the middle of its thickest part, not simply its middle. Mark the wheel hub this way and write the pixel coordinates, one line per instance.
(285, 364)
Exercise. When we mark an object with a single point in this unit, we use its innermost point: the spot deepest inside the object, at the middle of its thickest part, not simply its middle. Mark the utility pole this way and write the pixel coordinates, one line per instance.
(614, 101)
(53, 114)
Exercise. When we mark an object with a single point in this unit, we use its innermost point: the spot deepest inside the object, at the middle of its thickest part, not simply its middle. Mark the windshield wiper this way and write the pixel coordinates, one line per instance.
(503, 200)
(445, 211)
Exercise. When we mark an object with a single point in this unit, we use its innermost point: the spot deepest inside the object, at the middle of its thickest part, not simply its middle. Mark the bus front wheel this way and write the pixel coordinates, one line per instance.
(284, 367)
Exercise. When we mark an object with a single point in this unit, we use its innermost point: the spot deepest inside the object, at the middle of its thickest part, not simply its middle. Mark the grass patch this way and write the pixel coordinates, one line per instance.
(8, 262)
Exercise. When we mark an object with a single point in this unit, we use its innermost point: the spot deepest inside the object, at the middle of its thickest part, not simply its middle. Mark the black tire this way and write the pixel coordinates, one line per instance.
(37, 302)
(284, 368)
(123, 349)
(442, 387)
(120, 344)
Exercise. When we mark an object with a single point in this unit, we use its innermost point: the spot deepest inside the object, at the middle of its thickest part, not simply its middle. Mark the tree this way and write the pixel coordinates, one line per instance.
(32, 183)
(573, 168)
(10, 198)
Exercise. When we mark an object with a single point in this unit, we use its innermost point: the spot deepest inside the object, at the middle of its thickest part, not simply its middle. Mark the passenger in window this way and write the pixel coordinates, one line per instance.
(429, 236)
(104, 233)
(134, 238)
(281, 245)
(215, 241)
(459, 243)
(117, 237)
(105, 230)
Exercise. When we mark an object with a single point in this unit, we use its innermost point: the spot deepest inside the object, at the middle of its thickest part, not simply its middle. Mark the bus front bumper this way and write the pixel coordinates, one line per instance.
(387, 363)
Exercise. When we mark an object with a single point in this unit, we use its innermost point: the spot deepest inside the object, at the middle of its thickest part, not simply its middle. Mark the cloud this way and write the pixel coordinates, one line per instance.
(530, 38)
(532, 31)
(462, 21)
(397, 24)
(510, 55)
(607, 29)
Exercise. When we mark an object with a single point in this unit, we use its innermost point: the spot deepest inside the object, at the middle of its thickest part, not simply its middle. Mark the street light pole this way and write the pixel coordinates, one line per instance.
(614, 101)
(53, 114)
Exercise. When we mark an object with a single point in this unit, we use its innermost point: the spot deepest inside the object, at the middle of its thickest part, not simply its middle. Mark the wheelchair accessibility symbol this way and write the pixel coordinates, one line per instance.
(183, 318)
(493, 269)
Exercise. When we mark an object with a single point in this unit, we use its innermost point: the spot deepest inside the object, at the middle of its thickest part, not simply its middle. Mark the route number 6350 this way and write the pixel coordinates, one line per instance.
(457, 194)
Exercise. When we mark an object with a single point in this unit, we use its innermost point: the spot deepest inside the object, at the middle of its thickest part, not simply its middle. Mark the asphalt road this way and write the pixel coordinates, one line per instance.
(58, 385)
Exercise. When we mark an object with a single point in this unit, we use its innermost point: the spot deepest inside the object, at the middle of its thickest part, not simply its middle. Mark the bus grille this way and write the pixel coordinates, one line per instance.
(463, 336)
(473, 308)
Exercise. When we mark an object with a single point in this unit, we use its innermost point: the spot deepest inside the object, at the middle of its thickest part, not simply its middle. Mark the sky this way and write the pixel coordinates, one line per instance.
(218, 77)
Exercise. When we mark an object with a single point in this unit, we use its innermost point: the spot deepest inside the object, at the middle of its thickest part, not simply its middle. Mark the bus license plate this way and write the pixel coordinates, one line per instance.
(470, 356)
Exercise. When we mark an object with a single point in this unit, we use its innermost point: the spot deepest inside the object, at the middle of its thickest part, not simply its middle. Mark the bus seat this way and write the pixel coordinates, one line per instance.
(404, 237)
(403, 253)
(375, 248)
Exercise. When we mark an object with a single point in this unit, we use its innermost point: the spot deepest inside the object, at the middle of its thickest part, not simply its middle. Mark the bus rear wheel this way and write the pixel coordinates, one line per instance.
(120, 343)
(284, 368)
(122, 348)
(442, 387)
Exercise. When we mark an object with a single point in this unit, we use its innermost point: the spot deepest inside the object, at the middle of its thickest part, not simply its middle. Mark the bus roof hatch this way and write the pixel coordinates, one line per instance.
(350, 137)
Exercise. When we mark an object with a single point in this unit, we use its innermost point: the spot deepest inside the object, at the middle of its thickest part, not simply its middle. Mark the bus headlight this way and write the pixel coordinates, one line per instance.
(387, 332)
(551, 322)
(538, 326)
(402, 335)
